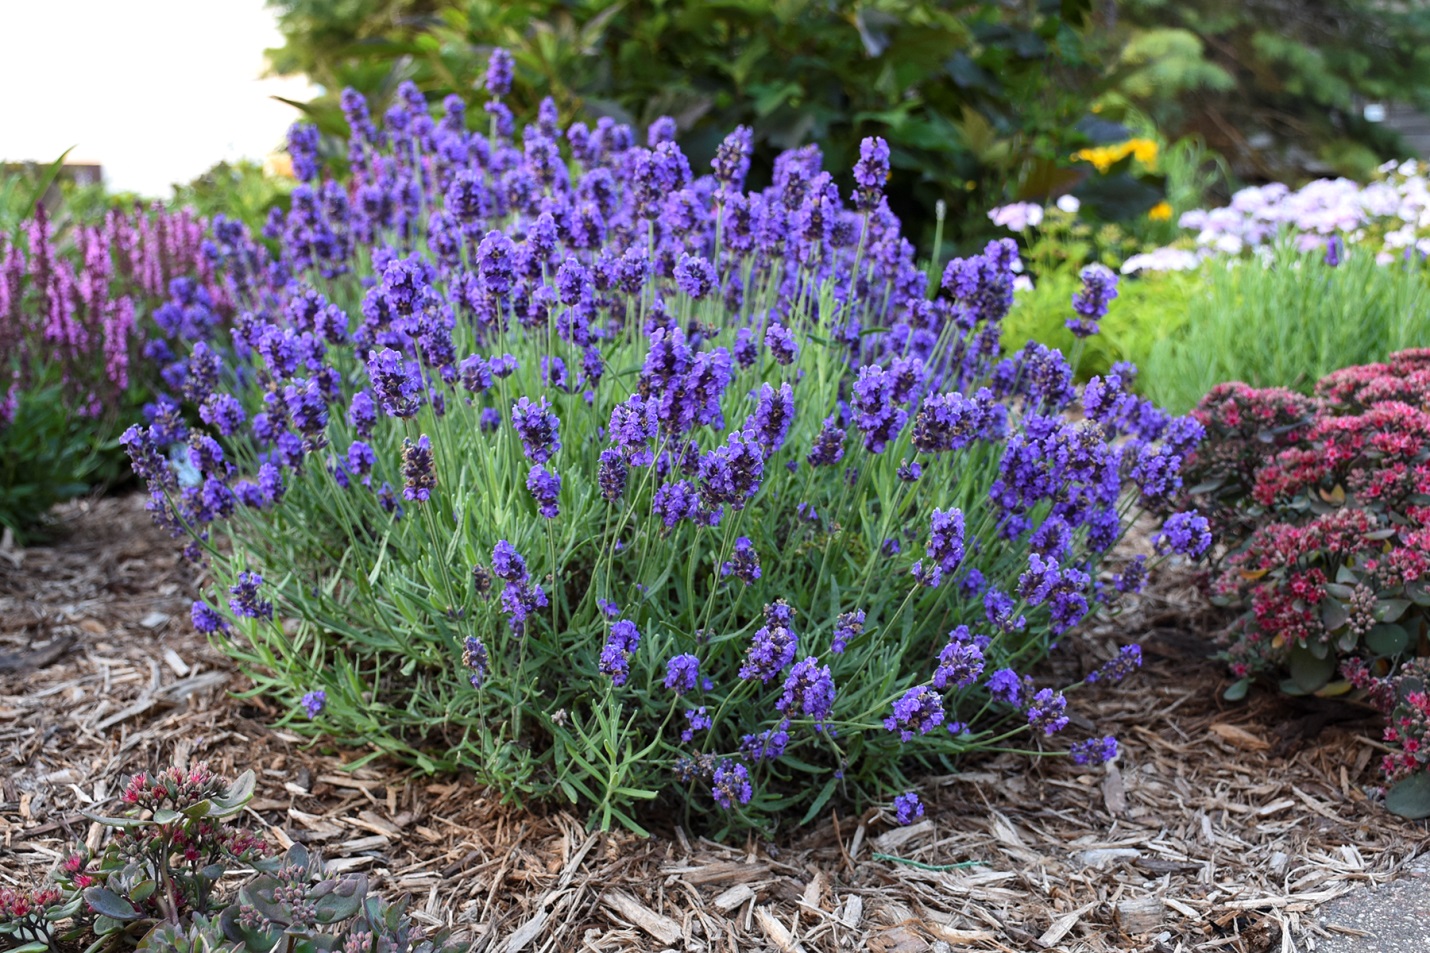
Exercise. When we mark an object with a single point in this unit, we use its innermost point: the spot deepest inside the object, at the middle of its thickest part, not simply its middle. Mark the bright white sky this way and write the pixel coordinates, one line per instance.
(155, 91)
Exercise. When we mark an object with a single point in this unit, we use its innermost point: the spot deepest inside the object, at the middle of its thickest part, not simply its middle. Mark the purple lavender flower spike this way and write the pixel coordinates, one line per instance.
(1188, 534)
(500, 67)
(475, 658)
(314, 702)
(1127, 660)
(1099, 287)
(537, 426)
(918, 711)
(744, 562)
(621, 644)
(695, 276)
(545, 488)
(782, 344)
(731, 785)
(907, 806)
(245, 602)
(960, 663)
(396, 382)
(771, 650)
(417, 469)
(808, 691)
(846, 627)
(870, 173)
(1046, 711)
(1094, 750)
(682, 674)
(206, 620)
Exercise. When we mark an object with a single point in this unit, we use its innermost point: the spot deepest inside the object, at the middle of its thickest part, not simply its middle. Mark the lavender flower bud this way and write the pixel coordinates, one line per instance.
(545, 487)
(500, 67)
(907, 806)
(417, 469)
(731, 784)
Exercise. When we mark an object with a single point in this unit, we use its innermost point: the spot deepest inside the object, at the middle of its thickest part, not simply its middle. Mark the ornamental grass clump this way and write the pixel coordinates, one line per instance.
(548, 459)
(1324, 505)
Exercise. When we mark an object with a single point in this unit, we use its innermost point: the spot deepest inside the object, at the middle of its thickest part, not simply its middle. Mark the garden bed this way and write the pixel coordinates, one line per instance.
(1220, 827)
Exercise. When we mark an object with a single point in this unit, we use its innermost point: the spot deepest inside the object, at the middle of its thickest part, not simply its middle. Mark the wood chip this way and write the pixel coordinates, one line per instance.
(1063, 925)
(1239, 737)
(732, 898)
(175, 662)
(776, 932)
(1140, 915)
(898, 940)
(629, 908)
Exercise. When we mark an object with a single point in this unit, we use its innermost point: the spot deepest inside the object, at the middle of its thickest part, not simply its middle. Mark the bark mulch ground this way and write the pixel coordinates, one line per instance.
(1220, 827)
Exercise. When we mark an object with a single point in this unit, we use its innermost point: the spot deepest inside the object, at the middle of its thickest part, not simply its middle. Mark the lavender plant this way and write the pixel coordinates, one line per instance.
(550, 460)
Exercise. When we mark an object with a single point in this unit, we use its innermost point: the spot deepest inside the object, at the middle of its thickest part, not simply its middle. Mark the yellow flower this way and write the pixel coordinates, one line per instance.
(1161, 212)
(1103, 158)
(278, 165)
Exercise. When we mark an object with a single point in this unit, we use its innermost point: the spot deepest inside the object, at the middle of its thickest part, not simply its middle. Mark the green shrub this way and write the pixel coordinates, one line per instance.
(48, 456)
(1288, 321)
(979, 101)
(1148, 309)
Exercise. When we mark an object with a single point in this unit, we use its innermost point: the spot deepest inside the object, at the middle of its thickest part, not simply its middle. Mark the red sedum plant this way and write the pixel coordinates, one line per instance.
(154, 887)
(1323, 504)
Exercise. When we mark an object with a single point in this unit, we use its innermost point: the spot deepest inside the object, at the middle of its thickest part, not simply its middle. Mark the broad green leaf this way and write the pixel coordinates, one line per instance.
(1309, 672)
(104, 901)
(1390, 610)
(1410, 798)
(1237, 690)
(1387, 639)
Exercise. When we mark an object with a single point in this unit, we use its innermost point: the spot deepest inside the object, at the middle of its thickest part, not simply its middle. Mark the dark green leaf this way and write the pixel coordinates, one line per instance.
(1387, 639)
(1410, 798)
(825, 793)
(1389, 610)
(108, 903)
(1334, 613)
(1308, 672)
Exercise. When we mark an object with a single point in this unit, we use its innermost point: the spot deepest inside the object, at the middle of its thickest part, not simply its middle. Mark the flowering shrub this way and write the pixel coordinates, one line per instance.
(613, 483)
(1325, 502)
(1388, 217)
(82, 343)
(153, 886)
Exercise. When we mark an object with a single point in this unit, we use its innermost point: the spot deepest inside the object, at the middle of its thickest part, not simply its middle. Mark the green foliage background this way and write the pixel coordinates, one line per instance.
(979, 100)
(1276, 86)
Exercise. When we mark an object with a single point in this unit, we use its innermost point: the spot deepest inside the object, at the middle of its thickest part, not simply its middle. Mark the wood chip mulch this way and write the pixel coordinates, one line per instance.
(1220, 827)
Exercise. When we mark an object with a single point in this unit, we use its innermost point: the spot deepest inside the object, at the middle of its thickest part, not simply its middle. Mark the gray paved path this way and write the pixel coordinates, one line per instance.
(1396, 917)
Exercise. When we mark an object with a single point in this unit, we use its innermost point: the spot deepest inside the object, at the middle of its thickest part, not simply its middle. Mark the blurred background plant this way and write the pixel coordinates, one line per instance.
(244, 190)
(1148, 309)
(980, 102)
(81, 293)
(1278, 87)
(1287, 320)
